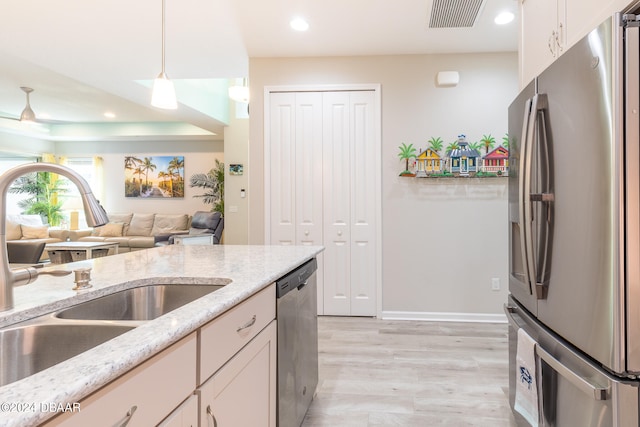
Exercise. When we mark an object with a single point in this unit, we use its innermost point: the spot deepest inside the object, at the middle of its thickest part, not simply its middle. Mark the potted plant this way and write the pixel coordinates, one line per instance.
(43, 190)
(213, 183)
(407, 152)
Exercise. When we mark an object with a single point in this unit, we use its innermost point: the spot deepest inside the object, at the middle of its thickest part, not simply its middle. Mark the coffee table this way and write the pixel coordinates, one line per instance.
(75, 251)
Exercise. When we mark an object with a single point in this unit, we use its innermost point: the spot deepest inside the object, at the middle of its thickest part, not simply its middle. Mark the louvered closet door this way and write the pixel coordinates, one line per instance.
(349, 203)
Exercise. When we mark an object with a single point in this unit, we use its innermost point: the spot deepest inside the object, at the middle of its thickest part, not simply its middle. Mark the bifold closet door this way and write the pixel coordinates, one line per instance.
(322, 162)
(349, 203)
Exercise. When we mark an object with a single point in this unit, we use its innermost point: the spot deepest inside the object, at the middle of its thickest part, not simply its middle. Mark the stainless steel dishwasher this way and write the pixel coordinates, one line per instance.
(297, 343)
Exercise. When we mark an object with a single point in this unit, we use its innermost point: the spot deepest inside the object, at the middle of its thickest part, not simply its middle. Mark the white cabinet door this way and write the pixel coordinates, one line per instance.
(540, 35)
(186, 415)
(243, 392)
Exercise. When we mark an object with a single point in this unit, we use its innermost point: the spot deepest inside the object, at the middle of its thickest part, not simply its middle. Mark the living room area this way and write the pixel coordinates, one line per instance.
(123, 175)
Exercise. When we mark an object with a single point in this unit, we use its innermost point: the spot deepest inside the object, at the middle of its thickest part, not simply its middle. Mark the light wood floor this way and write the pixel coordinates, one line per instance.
(405, 373)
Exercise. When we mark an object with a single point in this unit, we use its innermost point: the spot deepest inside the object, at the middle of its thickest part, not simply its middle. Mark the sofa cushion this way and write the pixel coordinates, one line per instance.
(141, 225)
(13, 230)
(165, 224)
(207, 220)
(110, 229)
(141, 242)
(34, 232)
(124, 218)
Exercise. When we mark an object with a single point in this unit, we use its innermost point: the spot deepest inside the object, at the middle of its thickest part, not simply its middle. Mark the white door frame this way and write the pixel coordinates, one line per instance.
(376, 88)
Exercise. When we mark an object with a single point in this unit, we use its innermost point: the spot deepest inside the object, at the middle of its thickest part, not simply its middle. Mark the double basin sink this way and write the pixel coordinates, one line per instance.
(37, 344)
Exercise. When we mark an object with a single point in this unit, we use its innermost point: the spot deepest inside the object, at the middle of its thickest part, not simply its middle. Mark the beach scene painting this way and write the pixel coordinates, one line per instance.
(154, 176)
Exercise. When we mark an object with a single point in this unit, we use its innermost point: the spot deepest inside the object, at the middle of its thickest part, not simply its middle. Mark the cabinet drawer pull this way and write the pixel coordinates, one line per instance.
(213, 418)
(249, 324)
(127, 418)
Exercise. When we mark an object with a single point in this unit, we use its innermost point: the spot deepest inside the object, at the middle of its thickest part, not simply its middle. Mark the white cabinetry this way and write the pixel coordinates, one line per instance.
(549, 27)
(243, 392)
(323, 189)
(230, 363)
(186, 415)
(143, 396)
(543, 33)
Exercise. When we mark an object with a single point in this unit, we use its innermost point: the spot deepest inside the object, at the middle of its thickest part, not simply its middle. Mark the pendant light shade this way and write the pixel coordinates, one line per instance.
(164, 93)
(27, 114)
(240, 93)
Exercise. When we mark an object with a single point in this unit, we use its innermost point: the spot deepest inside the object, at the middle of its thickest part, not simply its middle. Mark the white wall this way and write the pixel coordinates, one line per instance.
(442, 241)
(236, 145)
(199, 157)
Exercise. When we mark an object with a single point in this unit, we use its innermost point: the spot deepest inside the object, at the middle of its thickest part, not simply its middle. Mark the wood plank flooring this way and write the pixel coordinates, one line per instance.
(405, 373)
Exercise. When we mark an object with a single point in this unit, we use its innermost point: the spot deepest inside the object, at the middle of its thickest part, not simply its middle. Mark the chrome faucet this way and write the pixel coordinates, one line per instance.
(95, 215)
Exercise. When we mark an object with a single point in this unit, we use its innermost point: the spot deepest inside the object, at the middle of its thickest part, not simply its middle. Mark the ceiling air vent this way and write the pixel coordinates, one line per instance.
(454, 13)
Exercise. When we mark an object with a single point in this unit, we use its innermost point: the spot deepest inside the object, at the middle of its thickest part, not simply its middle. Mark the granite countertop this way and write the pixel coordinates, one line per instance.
(250, 268)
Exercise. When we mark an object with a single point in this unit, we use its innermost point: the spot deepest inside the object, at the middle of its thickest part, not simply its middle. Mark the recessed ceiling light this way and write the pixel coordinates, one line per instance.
(109, 115)
(299, 24)
(504, 18)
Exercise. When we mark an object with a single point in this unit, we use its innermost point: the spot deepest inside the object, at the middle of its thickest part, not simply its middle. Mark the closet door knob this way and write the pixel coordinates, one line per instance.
(339, 233)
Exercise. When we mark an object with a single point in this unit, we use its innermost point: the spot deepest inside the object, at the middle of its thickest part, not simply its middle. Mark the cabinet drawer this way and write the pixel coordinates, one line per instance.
(243, 392)
(155, 388)
(226, 335)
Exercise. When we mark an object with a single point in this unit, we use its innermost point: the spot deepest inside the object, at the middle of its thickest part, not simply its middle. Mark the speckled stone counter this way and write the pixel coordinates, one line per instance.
(250, 268)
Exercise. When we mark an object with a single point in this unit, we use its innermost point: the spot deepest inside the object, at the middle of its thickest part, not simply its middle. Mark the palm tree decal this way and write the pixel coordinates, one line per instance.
(488, 141)
(452, 146)
(435, 144)
(475, 146)
(406, 153)
(505, 141)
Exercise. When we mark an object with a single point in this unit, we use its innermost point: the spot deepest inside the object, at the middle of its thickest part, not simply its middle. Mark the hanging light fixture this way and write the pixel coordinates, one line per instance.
(240, 93)
(163, 94)
(27, 114)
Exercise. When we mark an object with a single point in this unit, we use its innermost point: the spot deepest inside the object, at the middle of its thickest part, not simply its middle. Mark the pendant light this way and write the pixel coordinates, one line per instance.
(240, 93)
(163, 94)
(27, 114)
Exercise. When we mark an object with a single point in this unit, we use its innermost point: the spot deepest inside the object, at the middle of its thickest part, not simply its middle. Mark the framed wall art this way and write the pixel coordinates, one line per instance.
(154, 176)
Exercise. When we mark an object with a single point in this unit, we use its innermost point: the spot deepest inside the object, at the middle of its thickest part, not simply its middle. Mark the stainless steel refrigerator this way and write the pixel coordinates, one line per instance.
(574, 203)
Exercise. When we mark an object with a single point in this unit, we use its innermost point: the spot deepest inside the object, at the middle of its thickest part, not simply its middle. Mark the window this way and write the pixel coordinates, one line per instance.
(7, 163)
(72, 202)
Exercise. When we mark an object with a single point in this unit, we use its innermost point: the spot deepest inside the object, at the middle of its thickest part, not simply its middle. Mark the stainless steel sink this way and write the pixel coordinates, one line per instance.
(28, 349)
(138, 304)
(37, 344)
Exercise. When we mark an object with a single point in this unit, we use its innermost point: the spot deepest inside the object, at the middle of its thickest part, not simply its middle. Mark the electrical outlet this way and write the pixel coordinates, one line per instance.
(495, 284)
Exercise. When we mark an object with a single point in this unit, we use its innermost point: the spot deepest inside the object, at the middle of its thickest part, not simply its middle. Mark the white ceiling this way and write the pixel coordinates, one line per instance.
(84, 57)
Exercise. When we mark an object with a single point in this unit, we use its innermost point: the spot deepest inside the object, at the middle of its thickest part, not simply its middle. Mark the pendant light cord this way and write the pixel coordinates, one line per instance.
(163, 25)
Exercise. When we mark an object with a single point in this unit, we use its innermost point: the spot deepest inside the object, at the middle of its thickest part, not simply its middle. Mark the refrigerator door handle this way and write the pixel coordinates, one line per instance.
(593, 390)
(538, 281)
(523, 171)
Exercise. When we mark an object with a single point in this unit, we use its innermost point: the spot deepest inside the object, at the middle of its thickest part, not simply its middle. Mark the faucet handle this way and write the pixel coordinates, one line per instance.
(54, 272)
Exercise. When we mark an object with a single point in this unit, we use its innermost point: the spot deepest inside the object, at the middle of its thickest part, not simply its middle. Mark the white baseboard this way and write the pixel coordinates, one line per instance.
(444, 317)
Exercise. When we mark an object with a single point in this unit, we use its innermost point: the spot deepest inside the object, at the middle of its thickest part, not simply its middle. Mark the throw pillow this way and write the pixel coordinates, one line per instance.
(34, 232)
(13, 231)
(110, 229)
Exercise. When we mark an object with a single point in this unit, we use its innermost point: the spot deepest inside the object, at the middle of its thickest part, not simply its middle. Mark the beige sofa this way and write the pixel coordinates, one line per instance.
(135, 231)
(29, 228)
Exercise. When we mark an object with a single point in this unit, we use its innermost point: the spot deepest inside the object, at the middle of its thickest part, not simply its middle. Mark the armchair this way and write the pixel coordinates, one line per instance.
(201, 223)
